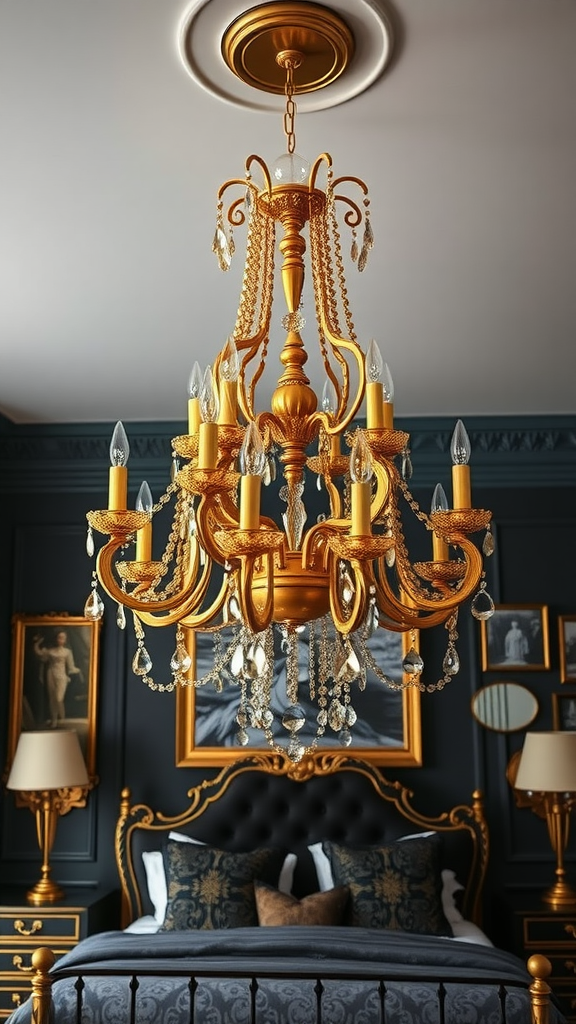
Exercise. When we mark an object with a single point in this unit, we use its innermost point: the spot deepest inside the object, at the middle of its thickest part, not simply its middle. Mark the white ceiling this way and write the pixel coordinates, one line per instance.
(111, 156)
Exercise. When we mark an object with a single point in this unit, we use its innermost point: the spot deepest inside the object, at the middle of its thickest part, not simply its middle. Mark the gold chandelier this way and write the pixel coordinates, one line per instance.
(227, 568)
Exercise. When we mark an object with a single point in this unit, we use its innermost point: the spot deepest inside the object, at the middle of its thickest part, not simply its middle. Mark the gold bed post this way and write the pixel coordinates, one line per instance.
(540, 968)
(42, 960)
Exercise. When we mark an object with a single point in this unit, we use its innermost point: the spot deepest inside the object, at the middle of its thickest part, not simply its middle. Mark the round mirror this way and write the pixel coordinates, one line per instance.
(504, 707)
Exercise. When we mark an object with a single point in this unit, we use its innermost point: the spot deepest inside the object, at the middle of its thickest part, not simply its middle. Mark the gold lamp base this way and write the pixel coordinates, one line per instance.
(560, 896)
(45, 891)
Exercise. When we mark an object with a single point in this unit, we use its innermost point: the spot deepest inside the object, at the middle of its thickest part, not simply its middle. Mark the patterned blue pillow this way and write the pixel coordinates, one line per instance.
(211, 888)
(398, 886)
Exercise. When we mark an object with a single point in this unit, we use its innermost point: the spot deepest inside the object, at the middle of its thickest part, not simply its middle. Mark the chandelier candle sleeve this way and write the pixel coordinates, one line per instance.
(361, 473)
(460, 450)
(208, 435)
(388, 392)
(144, 534)
(194, 388)
(118, 474)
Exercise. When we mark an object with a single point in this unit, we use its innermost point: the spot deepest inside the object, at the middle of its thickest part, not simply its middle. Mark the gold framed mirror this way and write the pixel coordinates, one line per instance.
(504, 706)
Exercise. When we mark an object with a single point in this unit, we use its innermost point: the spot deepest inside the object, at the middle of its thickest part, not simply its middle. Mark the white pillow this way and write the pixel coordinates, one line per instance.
(449, 883)
(156, 874)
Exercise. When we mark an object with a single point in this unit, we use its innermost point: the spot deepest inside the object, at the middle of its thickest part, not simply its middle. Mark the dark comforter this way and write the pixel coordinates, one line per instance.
(351, 962)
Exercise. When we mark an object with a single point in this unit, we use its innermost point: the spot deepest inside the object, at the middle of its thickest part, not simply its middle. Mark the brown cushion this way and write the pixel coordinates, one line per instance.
(280, 908)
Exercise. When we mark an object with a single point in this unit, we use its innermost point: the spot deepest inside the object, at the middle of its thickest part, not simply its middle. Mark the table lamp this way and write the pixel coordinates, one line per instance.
(547, 767)
(46, 766)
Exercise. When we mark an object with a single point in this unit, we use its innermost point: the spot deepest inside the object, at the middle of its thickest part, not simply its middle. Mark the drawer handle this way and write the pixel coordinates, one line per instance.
(570, 929)
(20, 927)
(19, 963)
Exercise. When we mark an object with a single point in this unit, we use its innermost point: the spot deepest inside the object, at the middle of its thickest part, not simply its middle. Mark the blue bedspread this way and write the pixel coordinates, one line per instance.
(334, 955)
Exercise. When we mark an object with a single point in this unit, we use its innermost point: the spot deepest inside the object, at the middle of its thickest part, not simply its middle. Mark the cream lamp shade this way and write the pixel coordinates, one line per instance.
(51, 759)
(548, 763)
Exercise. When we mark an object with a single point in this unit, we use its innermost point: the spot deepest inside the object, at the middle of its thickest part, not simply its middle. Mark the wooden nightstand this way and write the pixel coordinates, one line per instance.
(60, 926)
(538, 929)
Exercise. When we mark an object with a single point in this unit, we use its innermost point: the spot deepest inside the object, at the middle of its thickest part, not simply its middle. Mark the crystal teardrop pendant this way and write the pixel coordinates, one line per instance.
(412, 663)
(368, 240)
(363, 258)
(406, 465)
(322, 718)
(94, 607)
(451, 663)
(354, 248)
(482, 606)
(295, 750)
(89, 542)
(242, 737)
(141, 662)
(351, 717)
(174, 469)
(345, 737)
(390, 557)
(336, 715)
(120, 617)
(294, 718)
(488, 543)
(180, 662)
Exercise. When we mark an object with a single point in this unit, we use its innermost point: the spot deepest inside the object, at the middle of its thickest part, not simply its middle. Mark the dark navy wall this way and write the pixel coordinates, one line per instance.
(522, 469)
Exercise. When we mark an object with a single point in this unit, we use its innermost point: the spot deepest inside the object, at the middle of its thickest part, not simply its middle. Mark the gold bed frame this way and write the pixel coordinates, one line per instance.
(141, 817)
(469, 818)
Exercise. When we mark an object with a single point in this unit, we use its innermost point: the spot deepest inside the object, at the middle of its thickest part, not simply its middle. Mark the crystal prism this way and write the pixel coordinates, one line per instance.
(345, 737)
(363, 258)
(121, 617)
(294, 718)
(451, 663)
(412, 663)
(141, 662)
(368, 240)
(354, 250)
(180, 662)
(482, 606)
(94, 607)
(90, 542)
(488, 544)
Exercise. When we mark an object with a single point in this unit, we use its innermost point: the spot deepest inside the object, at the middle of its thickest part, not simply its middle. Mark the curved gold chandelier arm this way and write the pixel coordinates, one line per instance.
(105, 571)
(355, 616)
(195, 599)
(439, 608)
(256, 619)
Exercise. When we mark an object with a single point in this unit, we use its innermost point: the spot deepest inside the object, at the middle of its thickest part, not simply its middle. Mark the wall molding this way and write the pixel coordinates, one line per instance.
(71, 458)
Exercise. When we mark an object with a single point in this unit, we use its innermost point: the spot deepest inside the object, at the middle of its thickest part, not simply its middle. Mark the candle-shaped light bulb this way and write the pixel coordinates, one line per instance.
(230, 362)
(361, 489)
(252, 457)
(195, 381)
(208, 428)
(387, 383)
(194, 389)
(209, 404)
(329, 400)
(374, 363)
(360, 460)
(229, 368)
(439, 500)
(144, 501)
(119, 447)
(460, 447)
(439, 504)
(118, 474)
(252, 460)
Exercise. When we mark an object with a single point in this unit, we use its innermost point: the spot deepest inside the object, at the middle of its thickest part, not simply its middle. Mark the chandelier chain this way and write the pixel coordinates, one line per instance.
(290, 112)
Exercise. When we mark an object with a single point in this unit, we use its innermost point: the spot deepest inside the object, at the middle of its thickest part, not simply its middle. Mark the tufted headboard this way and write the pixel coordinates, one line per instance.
(266, 800)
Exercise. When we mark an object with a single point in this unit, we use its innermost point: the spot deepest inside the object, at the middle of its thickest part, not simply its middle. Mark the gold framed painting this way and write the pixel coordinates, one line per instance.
(564, 711)
(54, 679)
(515, 638)
(567, 641)
(388, 730)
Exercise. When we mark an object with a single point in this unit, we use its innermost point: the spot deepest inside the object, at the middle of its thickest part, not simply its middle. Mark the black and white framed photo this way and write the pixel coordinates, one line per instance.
(516, 638)
(564, 711)
(567, 638)
(387, 731)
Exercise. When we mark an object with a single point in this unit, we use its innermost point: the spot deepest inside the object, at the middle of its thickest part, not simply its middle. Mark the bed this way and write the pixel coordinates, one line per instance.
(290, 894)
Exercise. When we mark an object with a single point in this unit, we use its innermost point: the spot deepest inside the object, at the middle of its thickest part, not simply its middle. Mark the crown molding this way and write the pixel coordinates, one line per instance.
(506, 452)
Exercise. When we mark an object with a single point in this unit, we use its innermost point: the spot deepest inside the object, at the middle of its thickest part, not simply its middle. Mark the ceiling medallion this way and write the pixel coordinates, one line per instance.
(347, 47)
